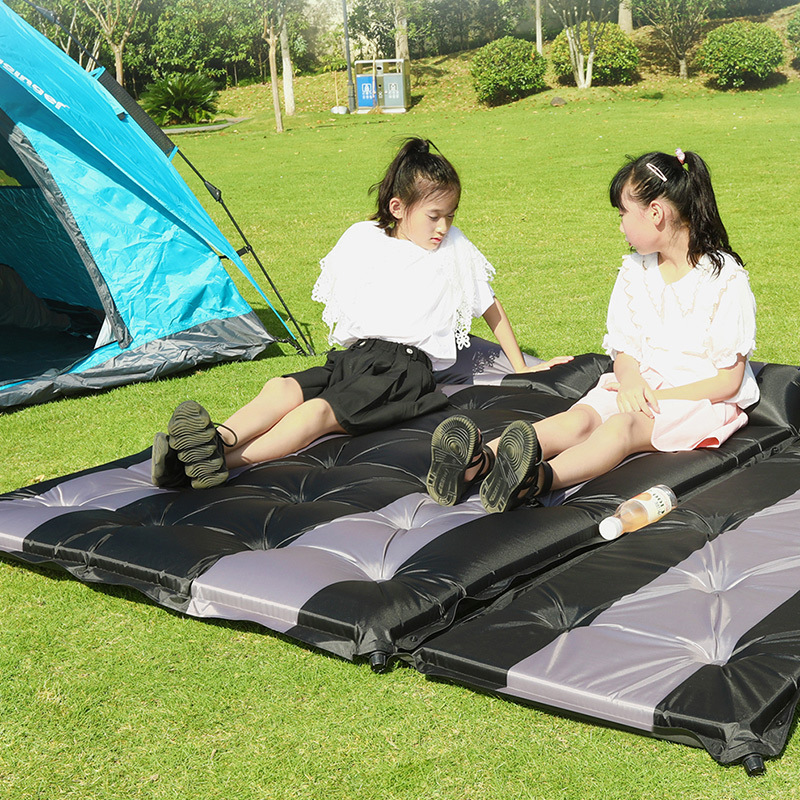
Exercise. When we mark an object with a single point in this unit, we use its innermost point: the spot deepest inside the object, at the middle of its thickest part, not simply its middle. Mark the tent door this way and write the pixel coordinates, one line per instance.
(50, 310)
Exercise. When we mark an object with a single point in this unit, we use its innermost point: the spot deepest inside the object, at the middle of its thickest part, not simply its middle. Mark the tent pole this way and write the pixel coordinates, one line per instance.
(217, 195)
(52, 18)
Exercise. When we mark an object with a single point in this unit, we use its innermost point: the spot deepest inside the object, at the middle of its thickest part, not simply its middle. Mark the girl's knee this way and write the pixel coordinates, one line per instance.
(633, 427)
(321, 413)
(284, 387)
(584, 420)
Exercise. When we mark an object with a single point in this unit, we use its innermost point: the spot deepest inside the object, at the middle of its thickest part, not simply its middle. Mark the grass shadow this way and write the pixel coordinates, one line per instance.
(53, 571)
(273, 326)
(751, 84)
(654, 54)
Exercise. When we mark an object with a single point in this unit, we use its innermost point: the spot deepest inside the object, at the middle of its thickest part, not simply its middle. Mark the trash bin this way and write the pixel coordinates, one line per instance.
(394, 85)
(366, 85)
(384, 83)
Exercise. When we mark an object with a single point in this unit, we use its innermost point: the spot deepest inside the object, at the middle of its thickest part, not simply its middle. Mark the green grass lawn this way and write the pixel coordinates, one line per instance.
(107, 696)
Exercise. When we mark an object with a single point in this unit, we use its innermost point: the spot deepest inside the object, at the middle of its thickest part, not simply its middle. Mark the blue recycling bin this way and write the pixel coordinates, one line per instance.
(385, 84)
(366, 95)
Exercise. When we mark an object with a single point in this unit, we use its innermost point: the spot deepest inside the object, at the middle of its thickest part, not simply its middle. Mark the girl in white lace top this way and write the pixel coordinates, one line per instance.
(400, 292)
(681, 329)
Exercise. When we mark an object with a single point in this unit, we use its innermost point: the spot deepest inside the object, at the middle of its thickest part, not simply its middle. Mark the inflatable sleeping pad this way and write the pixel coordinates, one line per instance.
(684, 630)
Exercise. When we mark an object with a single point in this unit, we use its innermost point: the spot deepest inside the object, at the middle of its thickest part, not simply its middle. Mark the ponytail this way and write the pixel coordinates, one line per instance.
(415, 172)
(684, 180)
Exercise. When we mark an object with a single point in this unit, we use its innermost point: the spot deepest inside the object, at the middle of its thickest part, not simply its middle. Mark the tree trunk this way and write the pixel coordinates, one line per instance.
(589, 65)
(539, 27)
(625, 16)
(576, 56)
(401, 30)
(272, 43)
(117, 48)
(109, 21)
(683, 72)
(288, 71)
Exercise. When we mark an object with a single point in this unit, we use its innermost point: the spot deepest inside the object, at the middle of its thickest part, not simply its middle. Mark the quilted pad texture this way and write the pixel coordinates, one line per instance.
(339, 546)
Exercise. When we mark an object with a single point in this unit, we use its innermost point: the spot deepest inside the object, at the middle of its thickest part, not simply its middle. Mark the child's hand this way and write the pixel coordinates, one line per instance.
(635, 396)
(545, 365)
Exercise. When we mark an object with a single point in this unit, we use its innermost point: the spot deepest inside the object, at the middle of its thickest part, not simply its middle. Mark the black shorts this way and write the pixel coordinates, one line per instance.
(373, 384)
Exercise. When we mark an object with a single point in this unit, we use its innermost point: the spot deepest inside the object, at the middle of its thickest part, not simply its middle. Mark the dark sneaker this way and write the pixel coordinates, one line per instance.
(166, 470)
(456, 447)
(198, 444)
(513, 479)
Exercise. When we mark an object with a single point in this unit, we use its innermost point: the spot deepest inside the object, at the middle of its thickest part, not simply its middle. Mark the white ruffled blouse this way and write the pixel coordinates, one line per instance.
(377, 287)
(686, 330)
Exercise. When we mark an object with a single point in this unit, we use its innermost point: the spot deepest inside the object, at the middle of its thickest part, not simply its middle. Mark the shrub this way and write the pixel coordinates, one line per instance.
(740, 53)
(616, 57)
(745, 8)
(180, 99)
(505, 70)
(793, 32)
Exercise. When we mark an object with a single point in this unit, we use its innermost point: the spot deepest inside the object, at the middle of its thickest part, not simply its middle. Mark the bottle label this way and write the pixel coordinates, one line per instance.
(656, 502)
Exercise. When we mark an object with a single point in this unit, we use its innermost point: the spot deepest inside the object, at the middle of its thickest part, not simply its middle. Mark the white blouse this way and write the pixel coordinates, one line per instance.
(377, 287)
(686, 330)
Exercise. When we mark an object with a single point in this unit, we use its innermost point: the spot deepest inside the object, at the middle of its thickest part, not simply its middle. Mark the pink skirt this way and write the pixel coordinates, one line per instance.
(679, 424)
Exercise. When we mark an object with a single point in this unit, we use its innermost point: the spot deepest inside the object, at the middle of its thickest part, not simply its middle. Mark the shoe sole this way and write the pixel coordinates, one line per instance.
(190, 426)
(193, 435)
(518, 454)
(453, 447)
(207, 474)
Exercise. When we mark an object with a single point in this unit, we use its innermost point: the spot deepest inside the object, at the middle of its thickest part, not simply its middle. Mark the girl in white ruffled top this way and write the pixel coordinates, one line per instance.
(681, 329)
(400, 292)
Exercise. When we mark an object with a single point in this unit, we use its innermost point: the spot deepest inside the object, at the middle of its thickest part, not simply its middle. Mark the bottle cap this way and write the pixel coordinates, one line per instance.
(611, 528)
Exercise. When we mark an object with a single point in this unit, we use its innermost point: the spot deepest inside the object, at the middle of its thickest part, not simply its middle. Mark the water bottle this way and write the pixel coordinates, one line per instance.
(639, 511)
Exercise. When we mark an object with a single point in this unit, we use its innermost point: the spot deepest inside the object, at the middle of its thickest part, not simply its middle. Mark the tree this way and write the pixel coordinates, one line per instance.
(625, 18)
(210, 37)
(270, 36)
(583, 18)
(116, 19)
(371, 24)
(538, 14)
(71, 27)
(437, 27)
(678, 22)
(273, 20)
(401, 30)
(288, 70)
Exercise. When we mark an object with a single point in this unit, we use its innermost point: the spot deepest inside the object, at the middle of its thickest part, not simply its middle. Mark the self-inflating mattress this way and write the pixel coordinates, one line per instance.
(339, 547)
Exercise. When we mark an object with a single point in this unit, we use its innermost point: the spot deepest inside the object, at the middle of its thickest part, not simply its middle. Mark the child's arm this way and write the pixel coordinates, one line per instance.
(722, 386)
(635, 394)
(497, 319)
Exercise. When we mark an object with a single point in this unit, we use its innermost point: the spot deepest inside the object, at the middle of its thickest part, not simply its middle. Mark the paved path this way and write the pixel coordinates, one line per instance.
(215, 126)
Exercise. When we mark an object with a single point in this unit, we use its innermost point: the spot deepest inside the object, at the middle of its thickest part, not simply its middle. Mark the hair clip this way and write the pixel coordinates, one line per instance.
(681, 156)
(656, 171)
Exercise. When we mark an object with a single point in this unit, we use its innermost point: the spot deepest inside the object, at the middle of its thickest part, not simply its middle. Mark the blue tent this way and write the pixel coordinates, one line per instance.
(110, 268)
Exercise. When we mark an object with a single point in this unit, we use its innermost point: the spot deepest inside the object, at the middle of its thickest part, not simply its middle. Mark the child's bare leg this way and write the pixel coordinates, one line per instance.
(295, 430)
(567, 429)
(561, 431)
(618, 437)
(276, 399)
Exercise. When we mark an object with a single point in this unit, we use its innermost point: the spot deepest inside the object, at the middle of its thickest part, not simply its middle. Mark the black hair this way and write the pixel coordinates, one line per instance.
(415, 173)
(687, 186)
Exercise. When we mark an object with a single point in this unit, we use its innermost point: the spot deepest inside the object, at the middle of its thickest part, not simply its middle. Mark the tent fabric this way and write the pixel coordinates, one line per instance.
(103, 221)
(339, 547)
